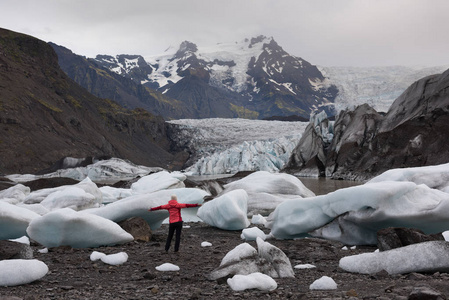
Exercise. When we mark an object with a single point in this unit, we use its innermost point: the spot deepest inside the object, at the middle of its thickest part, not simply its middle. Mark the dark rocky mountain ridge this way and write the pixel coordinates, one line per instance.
(45, 116)
(121, 88)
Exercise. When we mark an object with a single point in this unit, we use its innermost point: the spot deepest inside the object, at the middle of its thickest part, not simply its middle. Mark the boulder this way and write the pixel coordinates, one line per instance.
(14, 250)
(391, 238)
(425, 293)
(138, 228)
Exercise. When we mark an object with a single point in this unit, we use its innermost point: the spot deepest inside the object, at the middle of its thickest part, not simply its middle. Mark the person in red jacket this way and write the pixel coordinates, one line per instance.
(175, 220)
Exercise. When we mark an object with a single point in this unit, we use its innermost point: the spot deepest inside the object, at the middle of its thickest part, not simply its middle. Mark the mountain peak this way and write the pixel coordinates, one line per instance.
(260, 39)
(186, 48)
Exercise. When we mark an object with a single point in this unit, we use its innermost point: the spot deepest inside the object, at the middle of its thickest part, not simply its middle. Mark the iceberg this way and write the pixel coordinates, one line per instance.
(252, 281)
(360, 211)
(58, 194)
(100, 171)
(228, 211)
(430, 256)
(14, 220)
(15, 194)
(266, 190)
(66, 227)
(138, 206)
(21, 271)
(158, 181)
(436, 177)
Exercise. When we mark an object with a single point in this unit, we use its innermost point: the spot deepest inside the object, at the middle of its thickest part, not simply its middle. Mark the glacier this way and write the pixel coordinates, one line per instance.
(227, 146)
(376, 86)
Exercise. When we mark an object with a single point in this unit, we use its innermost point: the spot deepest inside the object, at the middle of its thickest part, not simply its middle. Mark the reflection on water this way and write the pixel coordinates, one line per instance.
(323, 186)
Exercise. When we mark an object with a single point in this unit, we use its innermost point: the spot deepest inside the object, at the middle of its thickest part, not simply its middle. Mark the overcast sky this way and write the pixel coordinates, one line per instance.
(323, 32)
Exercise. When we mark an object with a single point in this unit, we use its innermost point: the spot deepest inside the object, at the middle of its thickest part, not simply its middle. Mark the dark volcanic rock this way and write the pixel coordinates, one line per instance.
(5, 183)
(413, 133)
(310, 155)
(391, 238)
(14, 250)
(425, 293)
(44, 183)
(138, 228)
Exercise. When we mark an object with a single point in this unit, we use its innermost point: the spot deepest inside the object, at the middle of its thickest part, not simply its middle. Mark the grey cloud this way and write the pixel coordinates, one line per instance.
(326, 32)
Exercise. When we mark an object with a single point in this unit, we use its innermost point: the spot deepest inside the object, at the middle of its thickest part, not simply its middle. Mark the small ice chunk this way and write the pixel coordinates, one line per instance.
(206, 244)
(167, 267)
(324, 283)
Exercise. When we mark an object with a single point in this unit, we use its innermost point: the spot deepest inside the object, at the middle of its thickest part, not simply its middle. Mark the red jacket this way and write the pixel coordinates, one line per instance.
(174, 209)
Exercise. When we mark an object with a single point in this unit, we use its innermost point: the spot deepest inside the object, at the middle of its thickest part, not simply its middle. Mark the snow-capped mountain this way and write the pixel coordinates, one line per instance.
(254, 78)
(130, 66)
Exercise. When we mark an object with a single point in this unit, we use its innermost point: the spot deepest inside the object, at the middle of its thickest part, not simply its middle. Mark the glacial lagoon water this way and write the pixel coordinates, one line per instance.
(323, 186)
(318, 185)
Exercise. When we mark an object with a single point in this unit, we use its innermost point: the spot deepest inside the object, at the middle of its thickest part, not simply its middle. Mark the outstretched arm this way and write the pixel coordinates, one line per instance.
(156, 208)
(184, 205)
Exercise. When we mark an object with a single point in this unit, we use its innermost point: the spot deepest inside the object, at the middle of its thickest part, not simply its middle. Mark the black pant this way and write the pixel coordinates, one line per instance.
(171, 230)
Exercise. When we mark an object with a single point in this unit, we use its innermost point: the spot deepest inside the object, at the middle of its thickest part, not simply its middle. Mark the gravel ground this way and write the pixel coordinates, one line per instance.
(73, 275)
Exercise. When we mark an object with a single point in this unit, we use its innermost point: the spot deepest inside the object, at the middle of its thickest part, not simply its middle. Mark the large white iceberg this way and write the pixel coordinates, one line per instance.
(228, 211)
(15, 194)
(363, 210)
(14, 220)
(108, 171)
(138, 205)
(158, 181)
(78, 196)
(71, 197)
(66, 227)
(422, 257)
(21, 271)
(436, 177)
(266, 190)
(112, 194)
